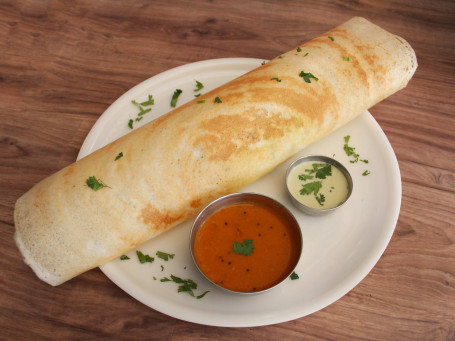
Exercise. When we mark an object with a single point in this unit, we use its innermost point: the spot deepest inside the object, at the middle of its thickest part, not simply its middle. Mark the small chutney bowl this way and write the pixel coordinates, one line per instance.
(246, 243)
(306, 195)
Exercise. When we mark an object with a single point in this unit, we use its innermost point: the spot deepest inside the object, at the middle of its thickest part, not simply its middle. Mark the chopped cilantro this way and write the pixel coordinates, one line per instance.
(307, 76)
(144, 258)
(275, 79)
(306, 54)
(350, 151)
(263, 63)
(150, 101)
(299, 49)
(346, 59)
(199, 86)
(331, 38)
(322, 170)
(94, 183)
(124, 257)
(164, 255)
(186, 285)
(175, 97)
(320, 199)
(280, 57)
(197, 95)
(305, 177)
(217, 100)
(118, 156)
(245, 248)
(294, 276)
(201, 101)
(162, 268)
(143, 111)
(311, 187)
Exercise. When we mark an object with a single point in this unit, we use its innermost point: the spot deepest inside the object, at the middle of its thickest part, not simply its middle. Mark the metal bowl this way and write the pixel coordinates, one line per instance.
(318, 158)
(240, 198)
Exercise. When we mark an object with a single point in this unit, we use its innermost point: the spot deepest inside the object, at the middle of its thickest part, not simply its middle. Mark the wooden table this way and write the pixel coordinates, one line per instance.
(63, 63)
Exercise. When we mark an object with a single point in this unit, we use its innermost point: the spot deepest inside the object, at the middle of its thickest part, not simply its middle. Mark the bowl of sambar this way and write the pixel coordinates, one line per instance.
(246, 243)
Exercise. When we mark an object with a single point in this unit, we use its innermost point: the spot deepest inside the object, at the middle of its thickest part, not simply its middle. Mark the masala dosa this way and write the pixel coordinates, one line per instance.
(176, 164)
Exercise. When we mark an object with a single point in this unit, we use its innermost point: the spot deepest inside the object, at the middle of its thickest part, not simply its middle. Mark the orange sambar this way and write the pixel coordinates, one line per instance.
(276, 247)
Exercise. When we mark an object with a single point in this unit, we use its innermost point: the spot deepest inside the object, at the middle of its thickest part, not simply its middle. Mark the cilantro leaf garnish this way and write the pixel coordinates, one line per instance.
(142, 111)
(311, 187)
(294, 276)
(307, 76)
(94, 183)
(320, 198)
(275, 79)
(186, 285)
(165, 256)
(306, 54)
(324, 171)
(321, 171)
(299, 49)
(118, 156)
(144, 258)
(350, 151)
(245, 248)
(346, 59)
(201, 101)
(217, 100)
(150, 101)
(305, 177)
(199, 86)
(331, 38)
(124, 257)
(175, 97)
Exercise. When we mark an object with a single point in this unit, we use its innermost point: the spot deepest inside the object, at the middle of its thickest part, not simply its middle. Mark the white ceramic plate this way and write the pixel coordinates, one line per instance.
(339, 249)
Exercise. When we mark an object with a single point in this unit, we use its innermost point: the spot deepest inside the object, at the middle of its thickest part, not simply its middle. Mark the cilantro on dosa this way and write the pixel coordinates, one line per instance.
(209, 148)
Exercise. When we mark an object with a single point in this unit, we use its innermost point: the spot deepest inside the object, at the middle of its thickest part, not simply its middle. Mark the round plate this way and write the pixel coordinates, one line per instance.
(340, 249)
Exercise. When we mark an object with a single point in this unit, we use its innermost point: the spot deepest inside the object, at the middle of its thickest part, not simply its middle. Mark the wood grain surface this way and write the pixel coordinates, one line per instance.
(62, 63)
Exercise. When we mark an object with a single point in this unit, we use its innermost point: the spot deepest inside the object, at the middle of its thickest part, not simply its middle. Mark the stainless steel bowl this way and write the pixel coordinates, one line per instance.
(239, 198)
(318, 158)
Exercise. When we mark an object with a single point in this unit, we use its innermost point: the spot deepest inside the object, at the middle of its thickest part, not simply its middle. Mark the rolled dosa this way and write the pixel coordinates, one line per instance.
(176, 164)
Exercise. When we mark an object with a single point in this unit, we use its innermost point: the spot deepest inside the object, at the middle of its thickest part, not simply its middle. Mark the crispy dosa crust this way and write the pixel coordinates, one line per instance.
(181, 161)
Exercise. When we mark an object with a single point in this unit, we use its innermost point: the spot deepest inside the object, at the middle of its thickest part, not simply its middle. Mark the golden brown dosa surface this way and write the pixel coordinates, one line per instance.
(178, 163)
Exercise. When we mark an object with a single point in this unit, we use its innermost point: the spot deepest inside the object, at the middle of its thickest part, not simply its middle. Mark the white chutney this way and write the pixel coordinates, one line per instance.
(333, 190)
